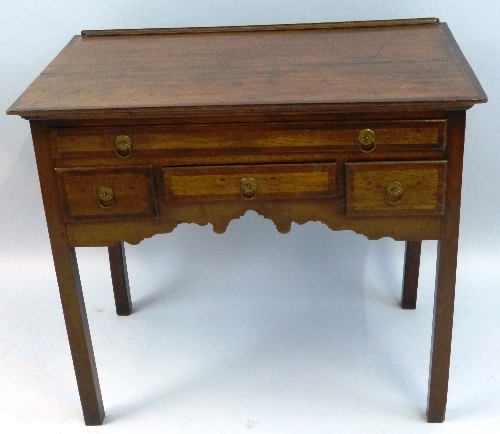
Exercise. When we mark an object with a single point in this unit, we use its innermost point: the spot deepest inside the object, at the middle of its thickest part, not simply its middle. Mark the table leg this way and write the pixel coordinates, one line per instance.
(446, 268)
(410, 276)
(77, 328)
(68, 279)
(442, 329)
(119, 278)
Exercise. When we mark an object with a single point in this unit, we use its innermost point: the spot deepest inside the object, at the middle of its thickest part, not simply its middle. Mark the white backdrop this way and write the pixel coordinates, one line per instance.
(250, 329)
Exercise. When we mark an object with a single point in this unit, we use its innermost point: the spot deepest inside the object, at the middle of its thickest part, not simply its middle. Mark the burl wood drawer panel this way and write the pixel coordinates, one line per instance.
(273, 181)
(237, 138)
(395, 188)
(109, 194)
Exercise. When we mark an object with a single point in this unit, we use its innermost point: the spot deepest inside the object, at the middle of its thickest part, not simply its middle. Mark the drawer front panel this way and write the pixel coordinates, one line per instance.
(271, 137)
(280, 181)
(109, 194)
(399, 188)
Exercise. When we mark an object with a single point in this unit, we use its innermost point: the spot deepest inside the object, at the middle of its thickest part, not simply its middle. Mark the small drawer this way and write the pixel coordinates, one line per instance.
(260, 182)
(131, 141)
(108, 194)
(395, 188)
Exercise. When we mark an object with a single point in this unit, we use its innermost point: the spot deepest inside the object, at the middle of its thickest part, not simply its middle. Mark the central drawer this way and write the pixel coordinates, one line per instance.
(257, 182)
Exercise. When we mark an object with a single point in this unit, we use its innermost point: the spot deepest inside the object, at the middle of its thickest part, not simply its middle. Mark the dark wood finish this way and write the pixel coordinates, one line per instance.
(423, 186)
(119, 278)
(446, 274)
(410, 274)
(250, 137)
(68, 279)
(258, 115)
(249, 157)
(271, 110)
(371, 68)
(278, 27)
(133, 191)
(331, 212)
(279, 181)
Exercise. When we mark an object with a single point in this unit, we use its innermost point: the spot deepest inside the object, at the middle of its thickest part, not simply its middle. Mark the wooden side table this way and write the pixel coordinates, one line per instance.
(358, 125)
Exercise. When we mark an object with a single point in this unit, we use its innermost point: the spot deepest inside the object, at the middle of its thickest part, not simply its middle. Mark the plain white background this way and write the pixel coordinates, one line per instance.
(249, 331)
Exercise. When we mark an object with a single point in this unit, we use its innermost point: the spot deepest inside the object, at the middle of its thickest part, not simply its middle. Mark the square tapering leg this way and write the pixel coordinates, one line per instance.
(80, 342)
(119, 278)
(410, 275)
(442, 329)
(446, 269)
(68, 279)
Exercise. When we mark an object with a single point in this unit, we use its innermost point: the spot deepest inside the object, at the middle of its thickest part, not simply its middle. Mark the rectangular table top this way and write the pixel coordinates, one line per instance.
(403, 64)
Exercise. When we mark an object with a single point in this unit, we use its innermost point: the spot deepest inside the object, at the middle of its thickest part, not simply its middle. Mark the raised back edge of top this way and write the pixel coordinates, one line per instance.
(267, 28)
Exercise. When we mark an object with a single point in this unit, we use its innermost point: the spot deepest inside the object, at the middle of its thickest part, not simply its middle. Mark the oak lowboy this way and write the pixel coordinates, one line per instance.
(357, 125)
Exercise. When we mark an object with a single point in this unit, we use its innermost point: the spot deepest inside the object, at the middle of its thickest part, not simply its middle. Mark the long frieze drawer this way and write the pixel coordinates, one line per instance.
(395, 188)
(107, 193)
(274, 181)
(130, 141)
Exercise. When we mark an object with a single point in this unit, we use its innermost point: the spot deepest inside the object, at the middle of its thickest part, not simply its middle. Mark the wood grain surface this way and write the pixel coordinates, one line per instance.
(251, 137)
(223, 121)
(147, 74)
(423, 187)
(133, 191)
(68, 280)
(278, 181)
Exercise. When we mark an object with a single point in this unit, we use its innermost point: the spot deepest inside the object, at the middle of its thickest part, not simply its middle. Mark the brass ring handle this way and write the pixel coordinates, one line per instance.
(123, 146)
(248, 188)
(366, 140)
(394, 192)
(106, 199)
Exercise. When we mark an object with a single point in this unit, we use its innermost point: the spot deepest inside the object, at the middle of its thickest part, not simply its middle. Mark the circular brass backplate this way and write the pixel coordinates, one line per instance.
(394, 192)
(123, 146)
(248, 188)
(106, 199)
(366, 140)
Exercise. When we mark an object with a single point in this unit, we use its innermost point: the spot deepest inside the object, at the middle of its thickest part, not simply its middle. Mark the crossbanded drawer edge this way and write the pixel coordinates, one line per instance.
(423, 188)
(267, 137)
(273, 181)
(133, 188)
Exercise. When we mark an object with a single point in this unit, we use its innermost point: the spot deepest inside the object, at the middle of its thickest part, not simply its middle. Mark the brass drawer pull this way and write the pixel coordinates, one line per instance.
(366, 140)
(248, 188)
(106, 199)
(394, 192)
(123, 146)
